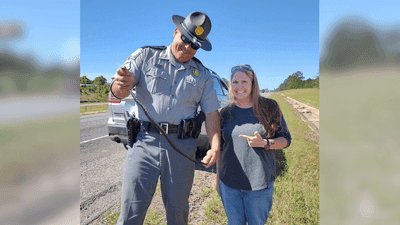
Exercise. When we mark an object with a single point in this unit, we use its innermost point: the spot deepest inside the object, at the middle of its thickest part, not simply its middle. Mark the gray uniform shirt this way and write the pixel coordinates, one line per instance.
(170, 90)
(244, 167)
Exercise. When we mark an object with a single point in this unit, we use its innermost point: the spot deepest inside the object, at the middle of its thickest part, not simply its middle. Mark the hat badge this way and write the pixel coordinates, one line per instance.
(199, 30)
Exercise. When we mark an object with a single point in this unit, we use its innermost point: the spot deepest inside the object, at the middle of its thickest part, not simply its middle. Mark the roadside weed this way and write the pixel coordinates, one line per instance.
(153, 218)
(214, 210)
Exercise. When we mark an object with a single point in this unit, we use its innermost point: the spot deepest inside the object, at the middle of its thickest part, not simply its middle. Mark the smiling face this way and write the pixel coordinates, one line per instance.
(181, 51)
(241, 86)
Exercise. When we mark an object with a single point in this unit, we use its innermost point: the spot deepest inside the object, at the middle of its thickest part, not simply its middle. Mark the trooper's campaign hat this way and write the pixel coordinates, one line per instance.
(196, 26)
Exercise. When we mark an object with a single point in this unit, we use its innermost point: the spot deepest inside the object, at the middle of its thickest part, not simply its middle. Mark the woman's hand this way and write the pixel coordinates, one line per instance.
(217, 185)
(254, 141)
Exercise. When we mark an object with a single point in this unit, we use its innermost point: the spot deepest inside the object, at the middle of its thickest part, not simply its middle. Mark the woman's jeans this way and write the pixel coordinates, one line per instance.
(251, 206)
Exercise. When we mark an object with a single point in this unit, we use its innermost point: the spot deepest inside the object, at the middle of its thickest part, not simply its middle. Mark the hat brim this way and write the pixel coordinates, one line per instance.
(205, 44)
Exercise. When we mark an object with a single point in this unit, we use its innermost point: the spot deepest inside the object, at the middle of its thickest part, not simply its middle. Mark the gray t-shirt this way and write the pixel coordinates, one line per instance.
(244, 167)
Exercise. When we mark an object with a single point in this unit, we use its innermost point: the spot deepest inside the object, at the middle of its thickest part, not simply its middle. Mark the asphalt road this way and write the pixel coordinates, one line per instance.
(93, 126)
(101, 167)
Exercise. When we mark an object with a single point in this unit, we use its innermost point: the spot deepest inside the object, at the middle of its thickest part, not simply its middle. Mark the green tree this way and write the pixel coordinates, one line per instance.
(296, 81)
(85, 80)
(100, 80)
(298, 75)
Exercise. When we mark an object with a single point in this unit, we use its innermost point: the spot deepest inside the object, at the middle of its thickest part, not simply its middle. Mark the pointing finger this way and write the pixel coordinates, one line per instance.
(244, 136)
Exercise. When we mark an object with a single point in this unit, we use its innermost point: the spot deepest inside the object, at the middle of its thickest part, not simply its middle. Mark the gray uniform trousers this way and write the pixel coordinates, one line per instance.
(152, 157)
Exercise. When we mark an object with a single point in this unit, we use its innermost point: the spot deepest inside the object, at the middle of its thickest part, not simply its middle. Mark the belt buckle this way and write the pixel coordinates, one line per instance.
(166, 125)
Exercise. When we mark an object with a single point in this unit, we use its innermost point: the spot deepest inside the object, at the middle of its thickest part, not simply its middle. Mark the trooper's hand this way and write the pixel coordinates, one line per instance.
(210, 158)
(124, 79)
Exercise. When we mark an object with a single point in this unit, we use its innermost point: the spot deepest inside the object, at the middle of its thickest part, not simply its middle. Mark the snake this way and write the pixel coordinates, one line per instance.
(159, 128)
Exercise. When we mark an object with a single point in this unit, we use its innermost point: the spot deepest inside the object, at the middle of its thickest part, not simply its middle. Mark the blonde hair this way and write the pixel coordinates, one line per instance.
(266, 110)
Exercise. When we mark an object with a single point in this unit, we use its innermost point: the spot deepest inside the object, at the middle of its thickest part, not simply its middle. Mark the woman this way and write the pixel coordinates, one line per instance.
(251, 126)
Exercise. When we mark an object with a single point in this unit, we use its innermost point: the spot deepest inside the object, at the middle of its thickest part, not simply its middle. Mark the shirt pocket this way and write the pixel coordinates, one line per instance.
(191, 90)
(156, 80)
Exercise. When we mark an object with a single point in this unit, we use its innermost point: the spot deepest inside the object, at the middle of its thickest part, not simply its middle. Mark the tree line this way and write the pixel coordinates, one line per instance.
(296, 81)
(94, 91)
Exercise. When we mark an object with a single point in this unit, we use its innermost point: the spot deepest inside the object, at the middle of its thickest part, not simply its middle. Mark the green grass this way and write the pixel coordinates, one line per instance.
(153, 218)
(206, 192)
(93, 109)
(296, 191)
(214, 210)
(296, 188)
(306, 96)
(112, 218)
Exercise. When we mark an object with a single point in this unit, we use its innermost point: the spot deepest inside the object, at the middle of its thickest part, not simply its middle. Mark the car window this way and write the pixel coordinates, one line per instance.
(223, 85)
(217, 87)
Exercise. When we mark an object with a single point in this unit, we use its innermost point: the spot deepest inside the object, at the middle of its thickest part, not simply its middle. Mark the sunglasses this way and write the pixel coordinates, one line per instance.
(187, 41)
(242, 67)
(246, 67)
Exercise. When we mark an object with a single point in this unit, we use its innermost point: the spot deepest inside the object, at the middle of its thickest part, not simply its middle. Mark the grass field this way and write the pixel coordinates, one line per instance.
(93, 109)
(307, 96)
(296, 189)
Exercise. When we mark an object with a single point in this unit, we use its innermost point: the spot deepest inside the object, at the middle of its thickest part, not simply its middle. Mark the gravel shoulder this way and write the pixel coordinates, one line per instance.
(204, 179)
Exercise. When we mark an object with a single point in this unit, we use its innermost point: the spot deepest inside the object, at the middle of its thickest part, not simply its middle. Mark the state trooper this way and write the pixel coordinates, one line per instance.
(171, 83)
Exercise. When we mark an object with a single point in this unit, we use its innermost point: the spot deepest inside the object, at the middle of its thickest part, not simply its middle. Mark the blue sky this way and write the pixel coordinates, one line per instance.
(51, 29)
(275, 38)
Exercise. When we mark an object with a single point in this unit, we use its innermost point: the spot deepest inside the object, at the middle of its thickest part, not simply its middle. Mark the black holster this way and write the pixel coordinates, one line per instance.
(191, 127)
(133, 126)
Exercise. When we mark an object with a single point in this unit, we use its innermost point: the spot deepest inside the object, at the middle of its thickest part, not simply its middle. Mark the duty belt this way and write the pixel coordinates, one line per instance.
(159, 128)
(169, 128)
